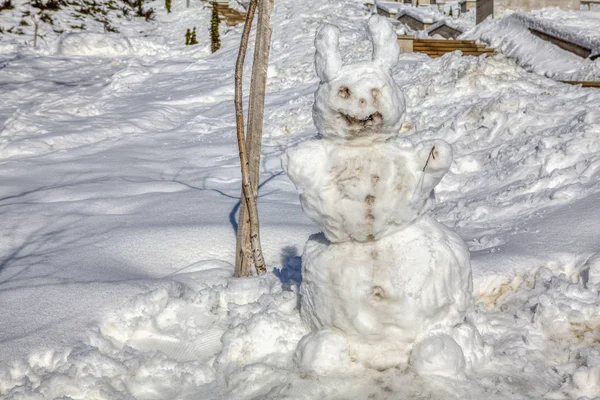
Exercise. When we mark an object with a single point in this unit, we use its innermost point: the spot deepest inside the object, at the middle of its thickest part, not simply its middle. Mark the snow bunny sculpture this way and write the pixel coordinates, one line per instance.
(384, 282)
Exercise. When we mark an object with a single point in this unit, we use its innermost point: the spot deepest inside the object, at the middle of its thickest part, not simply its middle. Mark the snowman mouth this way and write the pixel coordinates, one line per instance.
(360, 126)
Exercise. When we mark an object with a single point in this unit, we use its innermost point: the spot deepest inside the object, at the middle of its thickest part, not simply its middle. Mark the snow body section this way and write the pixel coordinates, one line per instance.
(386, 294)
(364, 193)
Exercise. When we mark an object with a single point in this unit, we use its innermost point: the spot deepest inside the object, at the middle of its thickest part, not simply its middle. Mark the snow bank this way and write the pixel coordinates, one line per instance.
(94, 44)
(109, 45)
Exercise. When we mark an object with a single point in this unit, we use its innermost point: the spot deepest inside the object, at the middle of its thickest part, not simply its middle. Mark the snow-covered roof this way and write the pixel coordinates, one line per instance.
(510, 35)
(441, 23)
(421, 14)
(460, 24)
(391, 7)
(581, 28)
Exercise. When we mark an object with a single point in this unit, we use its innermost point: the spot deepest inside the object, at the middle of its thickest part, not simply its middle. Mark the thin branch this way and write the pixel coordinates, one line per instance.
(259, 263)
(431, 155)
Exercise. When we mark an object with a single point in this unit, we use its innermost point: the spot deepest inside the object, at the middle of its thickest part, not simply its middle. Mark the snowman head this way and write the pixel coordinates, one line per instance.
(360, 102)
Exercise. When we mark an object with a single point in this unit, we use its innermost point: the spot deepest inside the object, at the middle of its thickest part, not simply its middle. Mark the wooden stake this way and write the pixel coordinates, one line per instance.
(247, 188)
(243, 263)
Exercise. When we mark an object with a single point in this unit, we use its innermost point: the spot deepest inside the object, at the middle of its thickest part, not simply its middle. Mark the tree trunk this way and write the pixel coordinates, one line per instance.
(243, 261)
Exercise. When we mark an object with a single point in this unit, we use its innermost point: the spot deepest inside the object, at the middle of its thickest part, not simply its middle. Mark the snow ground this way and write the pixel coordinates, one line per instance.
(120, 185)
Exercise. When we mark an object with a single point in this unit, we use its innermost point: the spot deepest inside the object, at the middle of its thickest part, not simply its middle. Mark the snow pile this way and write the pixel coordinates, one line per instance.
(117, 173)
(169, 343)
(510, 35)
(94, 44)
(108, 45)
(104, 29)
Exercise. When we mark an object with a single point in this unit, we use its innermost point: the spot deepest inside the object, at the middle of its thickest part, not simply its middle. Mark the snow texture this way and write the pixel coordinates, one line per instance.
(120, 185)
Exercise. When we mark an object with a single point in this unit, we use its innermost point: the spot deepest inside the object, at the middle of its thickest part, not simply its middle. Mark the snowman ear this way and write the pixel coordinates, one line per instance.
(328, 60)
(384, 39)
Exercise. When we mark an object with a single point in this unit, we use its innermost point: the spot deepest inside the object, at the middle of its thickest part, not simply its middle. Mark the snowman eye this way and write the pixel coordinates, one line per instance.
(344, 92)
(376, 93)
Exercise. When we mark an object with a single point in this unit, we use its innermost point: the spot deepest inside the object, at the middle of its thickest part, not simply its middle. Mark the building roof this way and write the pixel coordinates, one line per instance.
(420, 14)
(391, 7)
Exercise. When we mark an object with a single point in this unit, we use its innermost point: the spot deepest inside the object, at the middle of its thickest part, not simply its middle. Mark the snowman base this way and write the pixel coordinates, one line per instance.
(383, 296)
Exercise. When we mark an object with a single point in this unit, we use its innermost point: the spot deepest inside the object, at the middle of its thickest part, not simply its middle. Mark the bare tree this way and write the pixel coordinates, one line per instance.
(248, 247)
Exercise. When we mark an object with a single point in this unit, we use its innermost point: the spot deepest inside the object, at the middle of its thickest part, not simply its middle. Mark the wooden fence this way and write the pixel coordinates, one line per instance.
(437, 48)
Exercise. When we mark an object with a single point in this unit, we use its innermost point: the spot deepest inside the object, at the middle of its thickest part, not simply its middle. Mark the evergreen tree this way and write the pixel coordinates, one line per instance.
(215, 41)
(168, 6)
(193, 37)
(188, 36)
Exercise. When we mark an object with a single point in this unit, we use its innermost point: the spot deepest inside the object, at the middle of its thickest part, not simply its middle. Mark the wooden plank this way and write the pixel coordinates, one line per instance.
(436, 46)
(447, 48)
(445, 41)
(586, 84)
(563, 44)
(448, 43)
(451, 50)
(464, 53)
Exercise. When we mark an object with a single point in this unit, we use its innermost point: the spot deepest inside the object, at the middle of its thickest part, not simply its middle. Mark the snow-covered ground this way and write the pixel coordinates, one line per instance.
(119, 191)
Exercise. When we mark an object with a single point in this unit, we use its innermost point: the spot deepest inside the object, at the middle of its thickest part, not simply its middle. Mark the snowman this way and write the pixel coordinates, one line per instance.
(384, 285)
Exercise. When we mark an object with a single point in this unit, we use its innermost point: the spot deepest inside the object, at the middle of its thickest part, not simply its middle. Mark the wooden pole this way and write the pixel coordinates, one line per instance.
(249, 195)
(243, 262)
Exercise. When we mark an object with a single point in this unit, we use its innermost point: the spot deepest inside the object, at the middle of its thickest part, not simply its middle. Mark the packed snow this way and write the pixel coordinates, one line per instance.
(120, 187)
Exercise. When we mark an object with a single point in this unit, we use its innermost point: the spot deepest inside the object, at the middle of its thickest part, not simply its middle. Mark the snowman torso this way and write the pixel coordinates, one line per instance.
(359, 193)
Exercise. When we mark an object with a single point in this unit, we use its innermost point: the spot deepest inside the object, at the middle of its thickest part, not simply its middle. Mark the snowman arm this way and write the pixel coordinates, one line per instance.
(304, 164)
(435, 157)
